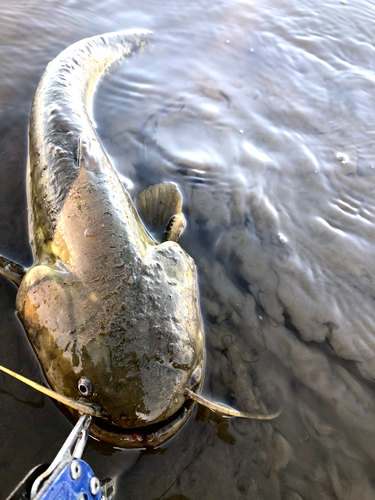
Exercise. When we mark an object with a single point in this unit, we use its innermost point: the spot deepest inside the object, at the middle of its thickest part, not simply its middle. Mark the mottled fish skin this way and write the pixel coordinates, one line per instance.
(103, 301)
(61, 111)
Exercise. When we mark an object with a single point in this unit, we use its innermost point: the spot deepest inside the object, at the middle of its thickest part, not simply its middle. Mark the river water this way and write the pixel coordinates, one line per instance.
(263, 114)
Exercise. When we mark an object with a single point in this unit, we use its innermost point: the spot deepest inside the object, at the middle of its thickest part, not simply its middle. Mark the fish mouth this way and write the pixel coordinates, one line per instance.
(148, 436)
(139, 437)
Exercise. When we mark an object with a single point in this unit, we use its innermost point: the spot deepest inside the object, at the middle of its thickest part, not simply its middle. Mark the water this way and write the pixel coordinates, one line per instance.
(262, 112)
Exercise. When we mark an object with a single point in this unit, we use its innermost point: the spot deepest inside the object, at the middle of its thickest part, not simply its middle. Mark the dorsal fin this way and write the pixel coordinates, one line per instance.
(86, 154)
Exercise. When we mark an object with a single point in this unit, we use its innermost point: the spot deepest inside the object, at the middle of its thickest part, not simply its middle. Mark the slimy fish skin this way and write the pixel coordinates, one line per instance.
(112, 314)
(103, 301)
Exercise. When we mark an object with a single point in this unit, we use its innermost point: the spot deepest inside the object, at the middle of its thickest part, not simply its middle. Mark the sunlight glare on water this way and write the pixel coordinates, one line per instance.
(263, 114)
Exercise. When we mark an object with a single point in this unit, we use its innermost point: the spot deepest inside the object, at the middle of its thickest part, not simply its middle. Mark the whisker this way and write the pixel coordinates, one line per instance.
(88, 408)
(227, 410)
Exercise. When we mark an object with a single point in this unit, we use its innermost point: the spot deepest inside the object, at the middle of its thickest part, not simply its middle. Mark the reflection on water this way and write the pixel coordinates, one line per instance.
(263, 114)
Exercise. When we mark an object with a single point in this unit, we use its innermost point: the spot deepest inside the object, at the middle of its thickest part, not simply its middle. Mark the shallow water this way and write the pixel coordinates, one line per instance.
(263, 113)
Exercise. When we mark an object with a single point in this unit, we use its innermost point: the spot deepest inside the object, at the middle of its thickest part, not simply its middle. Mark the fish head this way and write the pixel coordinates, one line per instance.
(129, 342)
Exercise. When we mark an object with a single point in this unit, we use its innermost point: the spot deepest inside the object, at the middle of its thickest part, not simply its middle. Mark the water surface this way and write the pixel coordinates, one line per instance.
(263, 113)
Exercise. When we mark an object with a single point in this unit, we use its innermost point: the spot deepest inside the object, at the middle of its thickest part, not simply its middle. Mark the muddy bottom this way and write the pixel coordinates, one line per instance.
(262, 113)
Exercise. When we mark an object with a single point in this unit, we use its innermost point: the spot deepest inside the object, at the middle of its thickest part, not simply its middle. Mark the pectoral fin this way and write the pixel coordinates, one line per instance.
(12, 270)
(160, 208)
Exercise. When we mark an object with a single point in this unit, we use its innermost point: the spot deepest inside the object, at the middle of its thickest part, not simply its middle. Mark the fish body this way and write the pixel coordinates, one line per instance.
(113, 316)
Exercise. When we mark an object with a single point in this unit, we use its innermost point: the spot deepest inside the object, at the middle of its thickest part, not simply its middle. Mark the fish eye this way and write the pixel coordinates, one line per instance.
(85, 387)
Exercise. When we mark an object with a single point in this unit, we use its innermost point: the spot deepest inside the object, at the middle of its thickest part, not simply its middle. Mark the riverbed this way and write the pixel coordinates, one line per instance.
(263, 114)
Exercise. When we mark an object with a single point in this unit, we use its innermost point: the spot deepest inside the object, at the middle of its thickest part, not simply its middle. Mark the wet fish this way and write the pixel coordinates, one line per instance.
(112, 315)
